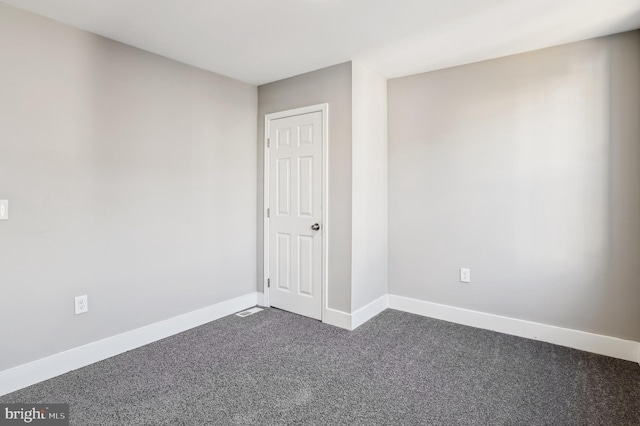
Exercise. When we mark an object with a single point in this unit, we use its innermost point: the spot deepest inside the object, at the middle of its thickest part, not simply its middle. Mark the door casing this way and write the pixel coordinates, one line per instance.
(324, 109)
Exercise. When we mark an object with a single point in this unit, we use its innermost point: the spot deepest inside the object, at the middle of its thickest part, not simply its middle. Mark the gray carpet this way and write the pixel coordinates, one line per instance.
(276, 368)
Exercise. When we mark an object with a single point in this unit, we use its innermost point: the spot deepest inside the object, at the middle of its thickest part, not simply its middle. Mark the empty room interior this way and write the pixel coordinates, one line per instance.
(322, 212)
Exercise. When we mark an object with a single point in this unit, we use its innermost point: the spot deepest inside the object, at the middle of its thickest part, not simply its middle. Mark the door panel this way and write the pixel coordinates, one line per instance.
(283, 261)
(283, 189)
(295, 200)
(305, 260)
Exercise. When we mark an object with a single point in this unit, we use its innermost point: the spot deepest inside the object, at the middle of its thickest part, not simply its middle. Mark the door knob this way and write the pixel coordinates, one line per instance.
(315, 226)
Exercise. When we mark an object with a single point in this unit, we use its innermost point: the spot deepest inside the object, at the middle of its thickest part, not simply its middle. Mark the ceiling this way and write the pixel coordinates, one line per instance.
(259, 41)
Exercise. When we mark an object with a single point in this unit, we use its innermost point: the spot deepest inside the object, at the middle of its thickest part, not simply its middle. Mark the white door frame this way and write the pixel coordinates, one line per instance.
(324, 109)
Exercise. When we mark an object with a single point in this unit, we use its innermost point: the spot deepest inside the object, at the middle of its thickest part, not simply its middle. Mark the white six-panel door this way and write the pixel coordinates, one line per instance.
(295, 175)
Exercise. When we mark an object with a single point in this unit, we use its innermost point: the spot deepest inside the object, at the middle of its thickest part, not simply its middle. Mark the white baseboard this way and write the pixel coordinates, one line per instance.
(369, 311)
(63, 362)
(52, 366)
(356, 319)
(337, 318)
(596, 343)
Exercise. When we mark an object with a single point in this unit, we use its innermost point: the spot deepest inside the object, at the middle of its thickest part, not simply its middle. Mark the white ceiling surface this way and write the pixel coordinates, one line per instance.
(259, 41)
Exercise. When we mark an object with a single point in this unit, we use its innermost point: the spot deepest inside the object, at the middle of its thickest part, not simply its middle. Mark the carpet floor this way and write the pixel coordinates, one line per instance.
(277, 368)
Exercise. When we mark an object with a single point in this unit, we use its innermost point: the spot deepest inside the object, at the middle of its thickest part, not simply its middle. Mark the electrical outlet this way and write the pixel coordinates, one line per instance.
(465, 275)
(4, 209)
(82, 304)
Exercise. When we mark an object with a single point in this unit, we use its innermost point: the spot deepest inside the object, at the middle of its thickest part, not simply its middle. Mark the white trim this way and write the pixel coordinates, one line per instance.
(352, 321)
(72, 359)
(325, 208)
(297, 111)
(265, 219)
(324, 109)
(596, 343)
(337, 318)
(369, 311)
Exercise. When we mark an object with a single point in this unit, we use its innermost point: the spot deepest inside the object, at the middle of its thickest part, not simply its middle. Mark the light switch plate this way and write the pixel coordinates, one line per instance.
(4, 209)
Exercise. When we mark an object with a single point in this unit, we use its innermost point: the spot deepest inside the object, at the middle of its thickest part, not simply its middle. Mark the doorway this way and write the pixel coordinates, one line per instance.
(295, 165)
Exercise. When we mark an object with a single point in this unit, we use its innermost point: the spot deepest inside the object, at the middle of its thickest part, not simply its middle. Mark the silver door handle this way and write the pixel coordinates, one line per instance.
(315, 226)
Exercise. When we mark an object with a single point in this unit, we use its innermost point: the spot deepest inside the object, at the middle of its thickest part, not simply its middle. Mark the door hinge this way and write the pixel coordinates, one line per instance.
(268, 282)
(268, 142)
(268, 212)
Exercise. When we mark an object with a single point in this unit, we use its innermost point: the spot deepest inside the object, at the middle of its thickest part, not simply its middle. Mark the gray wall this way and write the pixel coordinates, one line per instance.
(329, 85)
(370, 238)
(525, 169)
(131, 178)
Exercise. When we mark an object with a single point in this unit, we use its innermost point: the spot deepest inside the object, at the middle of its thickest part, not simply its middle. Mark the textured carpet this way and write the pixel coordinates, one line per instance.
(398, 369)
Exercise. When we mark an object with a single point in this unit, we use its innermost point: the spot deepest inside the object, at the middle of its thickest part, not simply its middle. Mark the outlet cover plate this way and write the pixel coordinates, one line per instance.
(465, 275)
(4, 209)
(82, 304)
